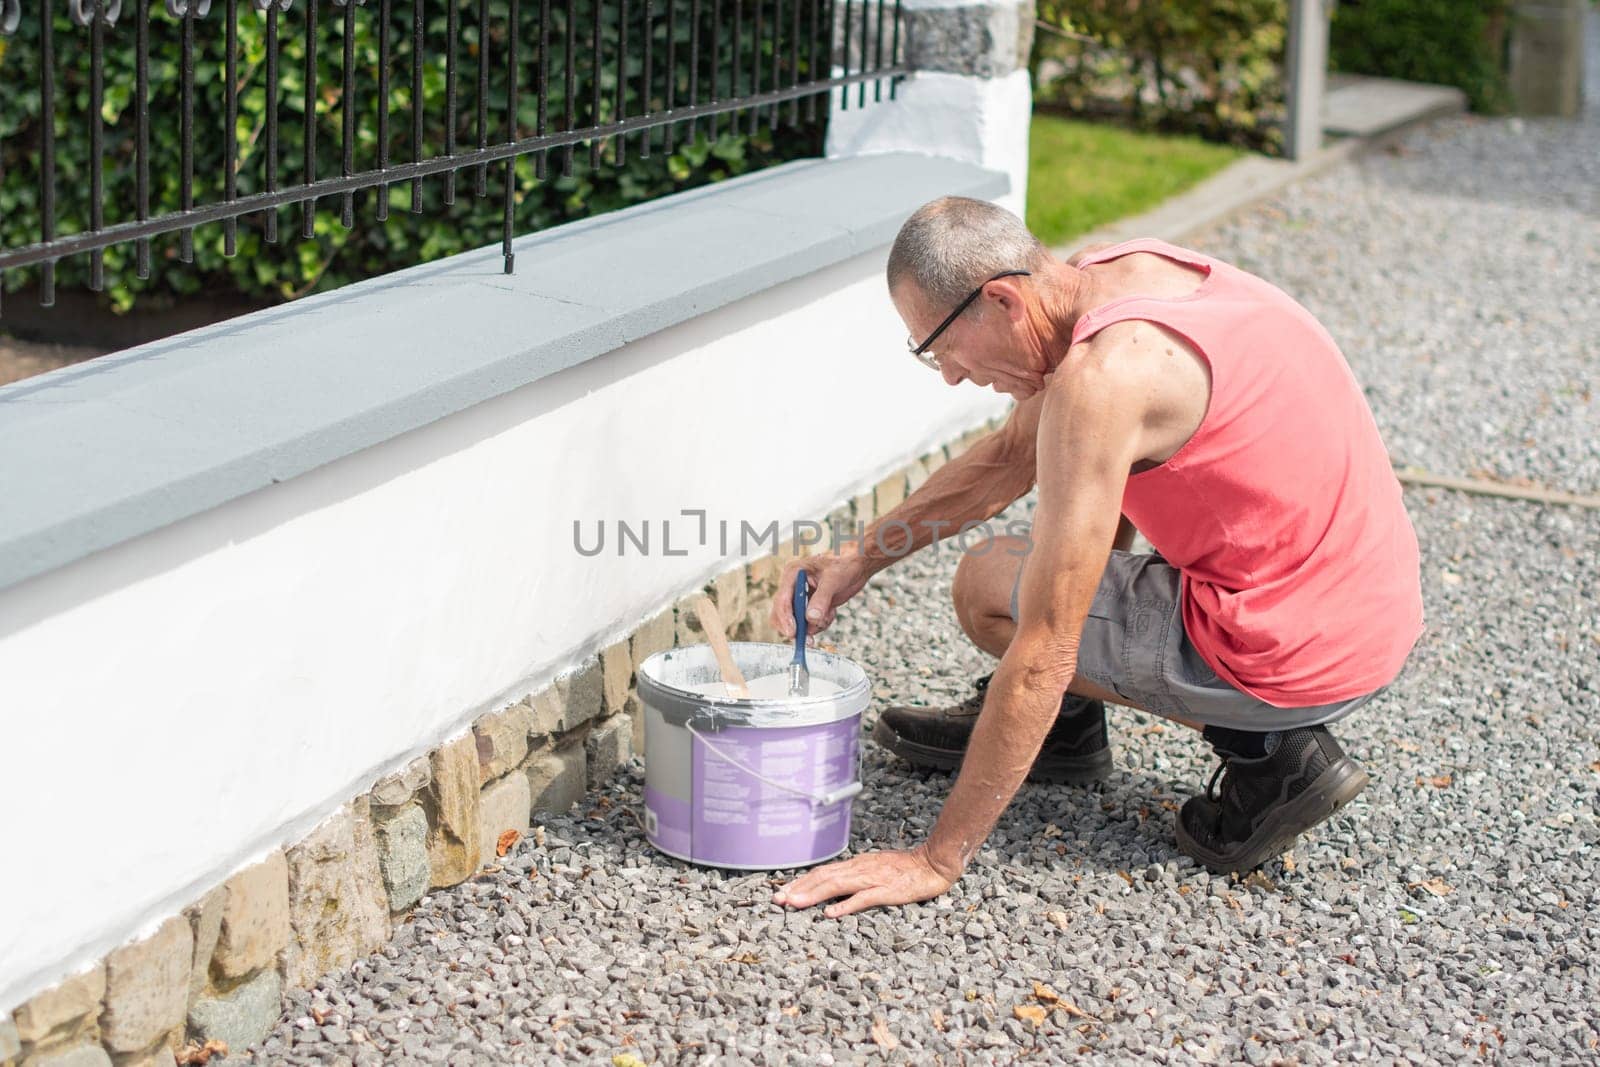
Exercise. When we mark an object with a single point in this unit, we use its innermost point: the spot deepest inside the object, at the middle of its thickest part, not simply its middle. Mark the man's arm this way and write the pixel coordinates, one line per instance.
(1090, 434)
(977, 485)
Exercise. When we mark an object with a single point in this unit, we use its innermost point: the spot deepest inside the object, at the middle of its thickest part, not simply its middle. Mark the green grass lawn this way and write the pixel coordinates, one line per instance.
(1082, 175)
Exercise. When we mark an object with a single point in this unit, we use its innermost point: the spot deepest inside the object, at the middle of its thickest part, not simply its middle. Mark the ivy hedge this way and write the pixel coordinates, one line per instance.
(335, 256)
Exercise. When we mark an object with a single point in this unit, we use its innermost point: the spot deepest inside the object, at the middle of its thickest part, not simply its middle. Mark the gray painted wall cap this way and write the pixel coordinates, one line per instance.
(96, 454)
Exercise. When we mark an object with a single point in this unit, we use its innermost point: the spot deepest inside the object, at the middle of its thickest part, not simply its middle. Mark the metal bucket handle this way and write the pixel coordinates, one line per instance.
(844, 792)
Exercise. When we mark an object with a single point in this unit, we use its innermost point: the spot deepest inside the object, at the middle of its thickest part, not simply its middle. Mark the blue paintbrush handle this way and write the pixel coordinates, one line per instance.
(800, 595)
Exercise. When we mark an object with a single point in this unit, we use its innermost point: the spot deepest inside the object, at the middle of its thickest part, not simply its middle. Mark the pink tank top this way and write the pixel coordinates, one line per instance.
(1300, 575)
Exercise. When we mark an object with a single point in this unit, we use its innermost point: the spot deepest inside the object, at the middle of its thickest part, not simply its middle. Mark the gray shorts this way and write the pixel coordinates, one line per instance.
(1135, 646)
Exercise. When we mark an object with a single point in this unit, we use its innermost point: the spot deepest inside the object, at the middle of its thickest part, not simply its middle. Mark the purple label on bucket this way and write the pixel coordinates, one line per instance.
(738, 820)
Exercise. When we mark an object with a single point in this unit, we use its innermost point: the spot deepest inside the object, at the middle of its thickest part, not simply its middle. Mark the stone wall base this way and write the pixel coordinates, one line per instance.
(217, 972)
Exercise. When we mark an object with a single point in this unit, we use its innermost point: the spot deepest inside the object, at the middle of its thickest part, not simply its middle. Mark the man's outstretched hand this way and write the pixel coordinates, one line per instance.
(867, 881)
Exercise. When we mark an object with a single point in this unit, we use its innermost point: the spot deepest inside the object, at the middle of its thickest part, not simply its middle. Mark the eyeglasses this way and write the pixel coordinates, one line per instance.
(931, 360)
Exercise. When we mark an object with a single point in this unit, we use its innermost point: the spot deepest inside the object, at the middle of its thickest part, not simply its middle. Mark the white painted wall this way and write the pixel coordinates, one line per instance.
(177, 706)
(976, 120)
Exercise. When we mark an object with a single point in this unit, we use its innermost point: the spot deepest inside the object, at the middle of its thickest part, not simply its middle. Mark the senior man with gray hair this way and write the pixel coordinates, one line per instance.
(1161, 390)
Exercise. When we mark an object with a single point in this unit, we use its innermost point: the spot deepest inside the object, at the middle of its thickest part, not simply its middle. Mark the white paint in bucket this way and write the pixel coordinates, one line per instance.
(767, 687)
(754, 784)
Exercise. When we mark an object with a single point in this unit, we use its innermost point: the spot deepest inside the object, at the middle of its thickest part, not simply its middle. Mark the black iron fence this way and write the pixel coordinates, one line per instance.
(601, 74)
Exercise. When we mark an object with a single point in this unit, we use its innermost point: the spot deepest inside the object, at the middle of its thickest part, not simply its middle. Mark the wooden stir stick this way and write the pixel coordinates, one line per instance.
(711, 623)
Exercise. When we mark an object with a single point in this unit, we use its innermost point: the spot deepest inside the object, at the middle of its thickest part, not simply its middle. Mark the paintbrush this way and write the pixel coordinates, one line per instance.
(799, 674)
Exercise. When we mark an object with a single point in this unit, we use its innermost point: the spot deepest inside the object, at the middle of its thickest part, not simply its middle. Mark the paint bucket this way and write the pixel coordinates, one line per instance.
(750, 784)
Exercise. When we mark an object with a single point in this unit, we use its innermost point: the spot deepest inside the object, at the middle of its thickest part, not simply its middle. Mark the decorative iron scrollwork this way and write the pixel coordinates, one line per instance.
(178, 8)
(83, 10)
(10, 16)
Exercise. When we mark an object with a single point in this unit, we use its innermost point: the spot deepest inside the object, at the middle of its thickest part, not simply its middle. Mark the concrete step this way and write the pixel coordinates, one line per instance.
(1356, 105)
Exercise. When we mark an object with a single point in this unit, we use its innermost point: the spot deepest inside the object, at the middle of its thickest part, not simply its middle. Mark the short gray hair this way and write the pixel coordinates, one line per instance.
(950, 245)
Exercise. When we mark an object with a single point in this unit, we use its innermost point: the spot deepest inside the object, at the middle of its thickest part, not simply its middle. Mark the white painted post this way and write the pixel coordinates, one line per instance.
(1305, 77)
(970, 98)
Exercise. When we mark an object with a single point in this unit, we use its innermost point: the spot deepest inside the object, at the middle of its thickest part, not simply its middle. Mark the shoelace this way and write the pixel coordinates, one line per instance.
(1211, 793)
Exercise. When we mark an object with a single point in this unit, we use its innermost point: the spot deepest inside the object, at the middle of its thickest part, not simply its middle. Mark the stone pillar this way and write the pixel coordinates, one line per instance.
(1547, 57)
(1305, 77)
(969, 98)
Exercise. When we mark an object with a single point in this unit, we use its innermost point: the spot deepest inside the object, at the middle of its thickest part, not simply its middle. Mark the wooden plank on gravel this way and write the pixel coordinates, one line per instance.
(1536, 493)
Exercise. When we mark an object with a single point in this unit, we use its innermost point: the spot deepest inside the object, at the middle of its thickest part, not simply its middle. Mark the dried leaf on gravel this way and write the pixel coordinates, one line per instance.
(1059, 919)
(196, 1053)
(626, 1059)
(1260, 881)
(1030, 1013)
(1052, 830)
(1436, 886)
(937, 1018)
(882, 1037)
(744, 957)
(538, 836)
(1044, 993)
(506, 842)
(1438, 781)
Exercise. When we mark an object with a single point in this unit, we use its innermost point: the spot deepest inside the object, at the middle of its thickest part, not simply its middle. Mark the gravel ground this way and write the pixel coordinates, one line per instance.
(1448, 914)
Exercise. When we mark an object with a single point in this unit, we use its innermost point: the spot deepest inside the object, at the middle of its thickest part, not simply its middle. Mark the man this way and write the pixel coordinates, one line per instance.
(1163, 390)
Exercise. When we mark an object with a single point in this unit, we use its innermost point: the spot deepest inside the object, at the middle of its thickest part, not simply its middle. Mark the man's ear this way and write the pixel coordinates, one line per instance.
(1008, 296)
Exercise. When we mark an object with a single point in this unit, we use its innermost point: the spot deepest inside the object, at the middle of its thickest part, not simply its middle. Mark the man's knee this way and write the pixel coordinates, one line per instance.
(986, 573)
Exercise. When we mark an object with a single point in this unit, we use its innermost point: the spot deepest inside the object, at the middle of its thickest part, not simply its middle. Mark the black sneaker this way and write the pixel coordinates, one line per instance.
(1076, 750)
(1267, 802)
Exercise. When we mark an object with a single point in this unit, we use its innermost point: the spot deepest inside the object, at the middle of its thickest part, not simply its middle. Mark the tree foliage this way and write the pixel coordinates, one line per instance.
(1211, 67)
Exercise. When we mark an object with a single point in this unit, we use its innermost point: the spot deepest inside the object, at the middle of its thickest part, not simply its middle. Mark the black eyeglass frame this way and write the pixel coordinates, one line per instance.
(932, 362)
